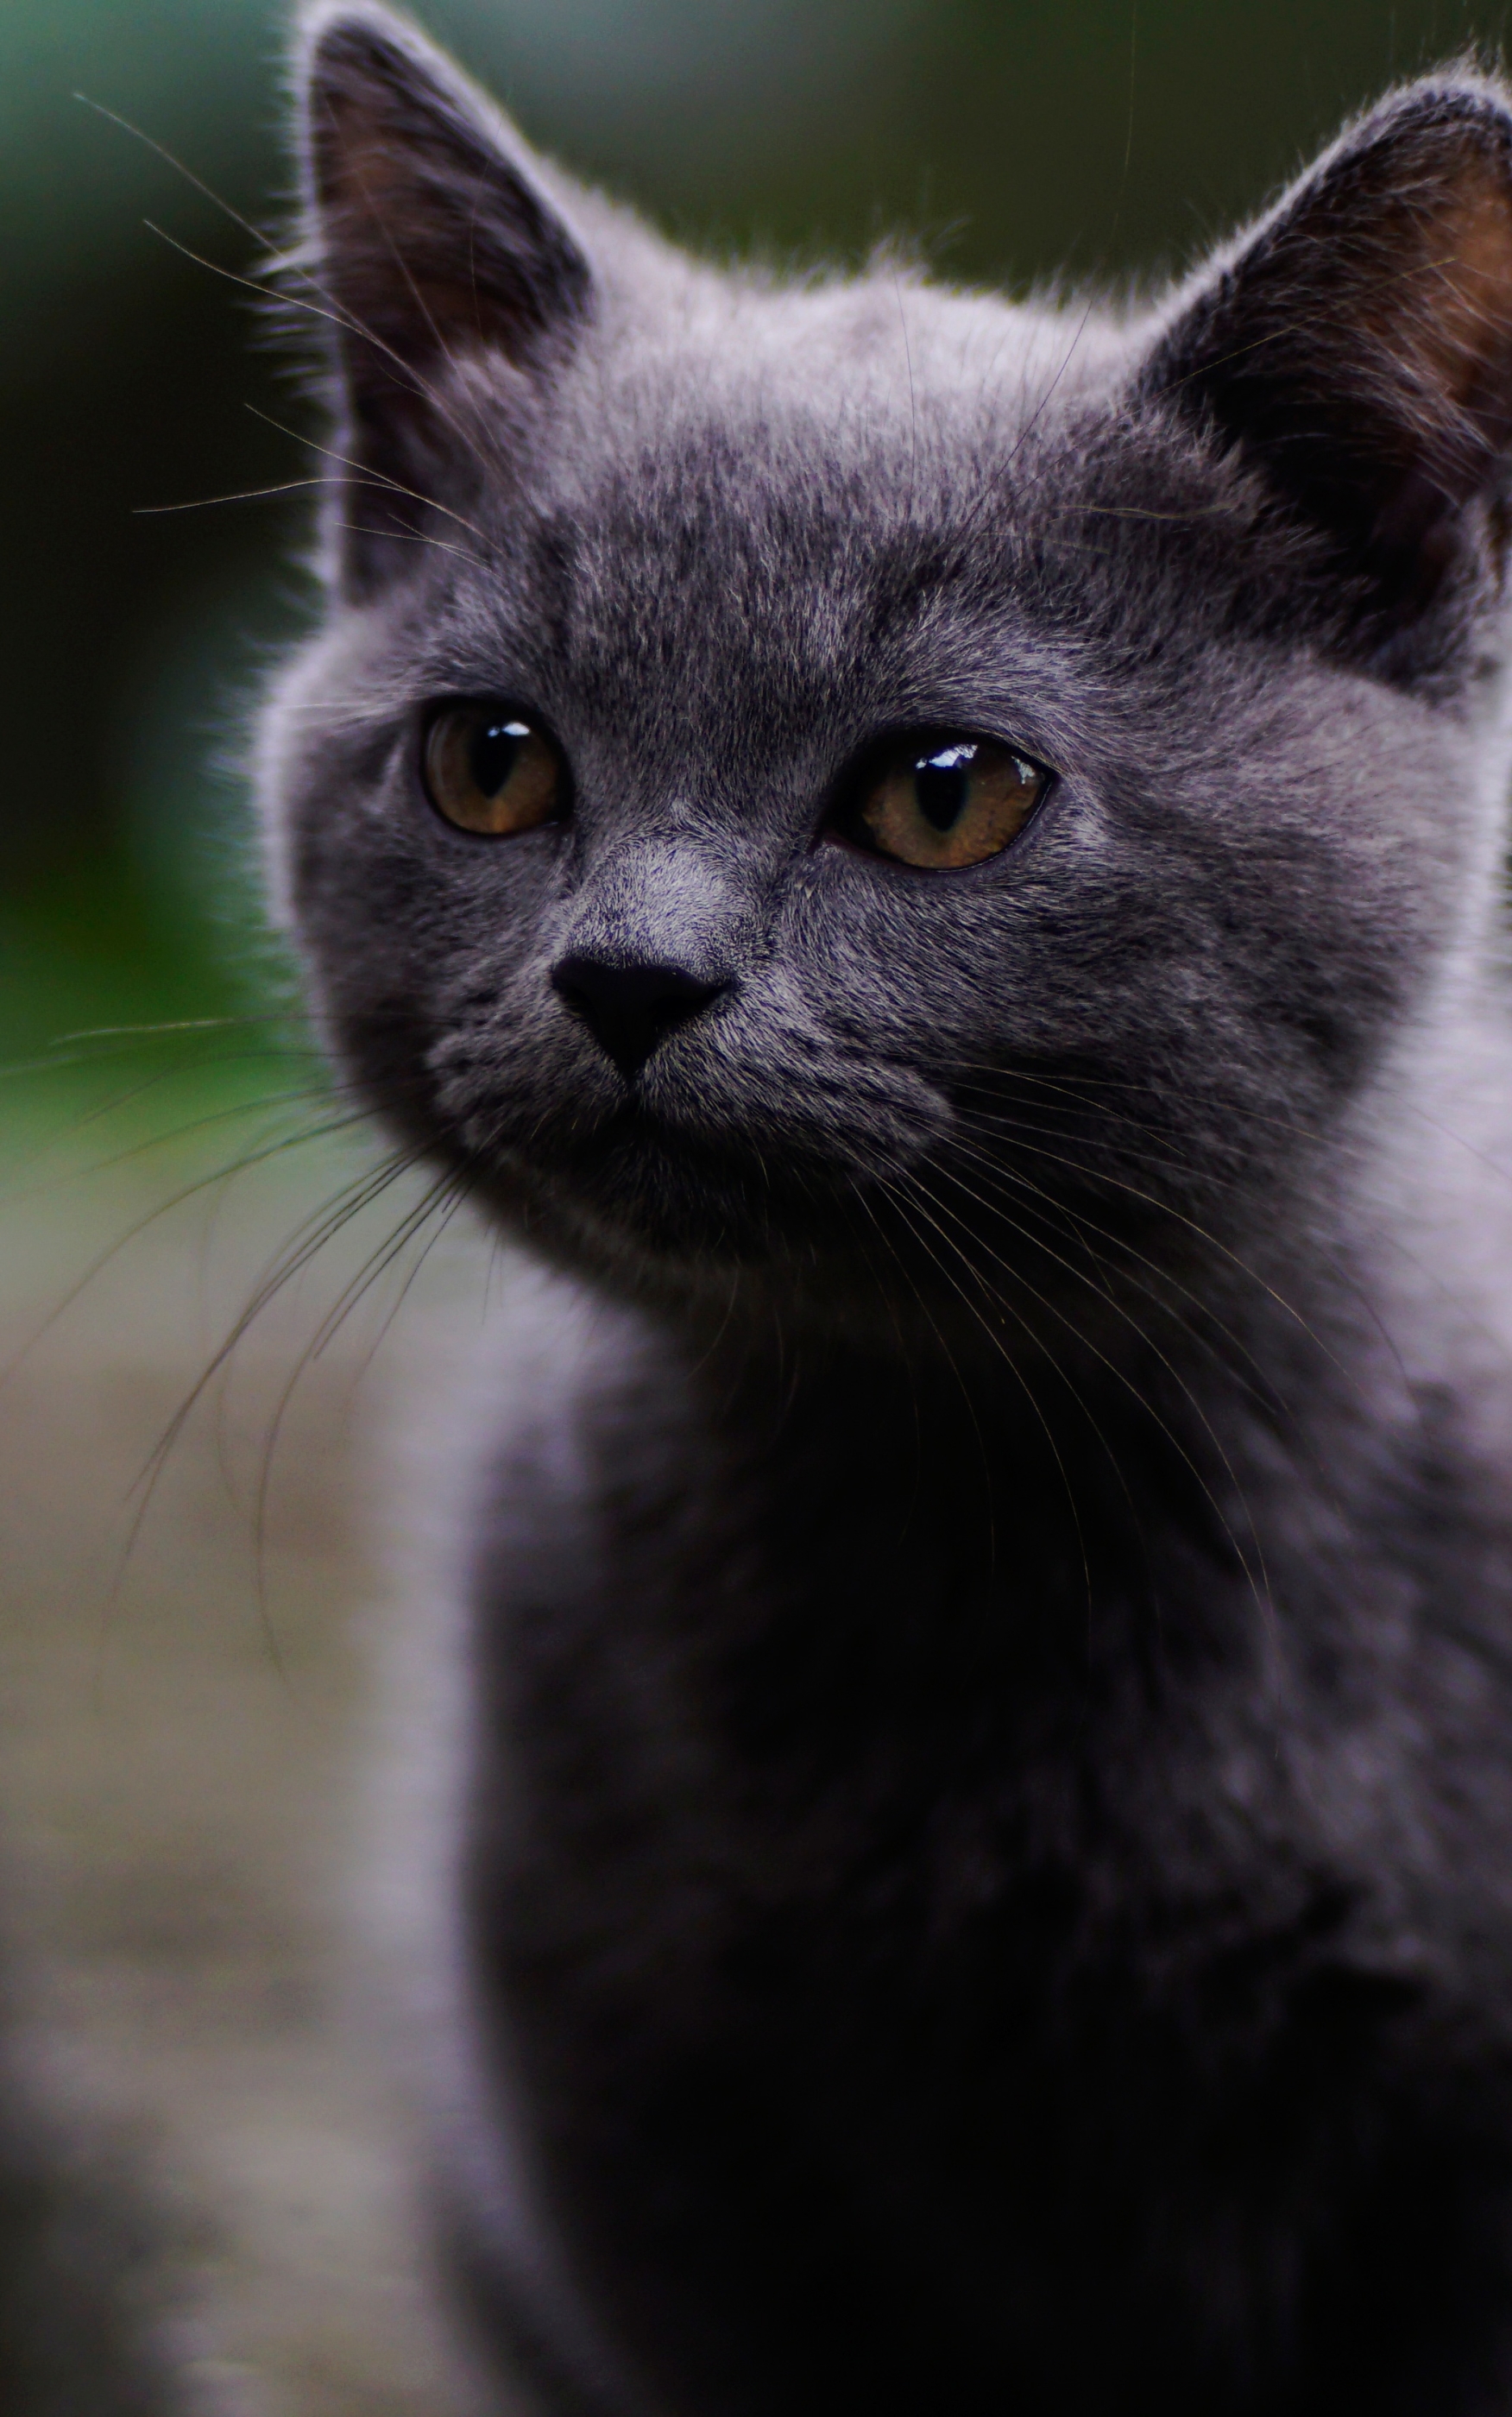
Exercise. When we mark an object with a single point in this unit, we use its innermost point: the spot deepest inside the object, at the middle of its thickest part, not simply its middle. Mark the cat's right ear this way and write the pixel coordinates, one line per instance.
(430, 247)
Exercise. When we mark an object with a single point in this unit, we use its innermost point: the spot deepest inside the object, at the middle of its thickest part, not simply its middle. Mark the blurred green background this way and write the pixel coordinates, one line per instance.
(1101, 136)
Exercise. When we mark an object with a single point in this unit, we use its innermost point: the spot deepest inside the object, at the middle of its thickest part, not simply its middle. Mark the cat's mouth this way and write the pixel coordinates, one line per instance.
(646, 1180)
(675, 1187)
(740, 1155)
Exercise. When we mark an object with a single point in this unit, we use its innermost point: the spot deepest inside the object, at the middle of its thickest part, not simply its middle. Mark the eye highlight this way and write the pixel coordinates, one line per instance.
(489, 770)
(942, 803)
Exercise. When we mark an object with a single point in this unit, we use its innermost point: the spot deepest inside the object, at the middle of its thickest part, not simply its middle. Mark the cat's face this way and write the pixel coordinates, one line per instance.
(851, 769)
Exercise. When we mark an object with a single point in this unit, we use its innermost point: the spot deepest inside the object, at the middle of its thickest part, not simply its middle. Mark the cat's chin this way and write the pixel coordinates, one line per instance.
(642, 1197)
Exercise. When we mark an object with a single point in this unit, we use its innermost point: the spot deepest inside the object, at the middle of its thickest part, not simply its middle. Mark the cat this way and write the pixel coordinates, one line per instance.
(938, 864)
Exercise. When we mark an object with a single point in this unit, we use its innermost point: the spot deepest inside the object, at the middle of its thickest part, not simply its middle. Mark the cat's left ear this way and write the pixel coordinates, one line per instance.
(431, 243)
(1355, 348)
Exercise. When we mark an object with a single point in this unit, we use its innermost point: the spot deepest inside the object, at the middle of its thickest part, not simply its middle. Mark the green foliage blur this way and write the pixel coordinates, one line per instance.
(1014, 138)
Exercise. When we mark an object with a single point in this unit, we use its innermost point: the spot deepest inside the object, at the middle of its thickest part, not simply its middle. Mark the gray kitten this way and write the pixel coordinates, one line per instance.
(942, 864)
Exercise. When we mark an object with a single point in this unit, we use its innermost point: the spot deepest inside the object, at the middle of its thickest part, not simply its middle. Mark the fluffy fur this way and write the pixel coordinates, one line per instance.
(983, 1817)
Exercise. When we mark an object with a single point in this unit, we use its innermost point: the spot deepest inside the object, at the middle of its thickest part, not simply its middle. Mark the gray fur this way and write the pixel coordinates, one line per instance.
(985, 1813)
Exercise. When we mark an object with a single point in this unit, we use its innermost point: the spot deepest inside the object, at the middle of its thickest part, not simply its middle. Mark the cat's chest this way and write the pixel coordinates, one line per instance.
(751, 1705)
(867, 1673)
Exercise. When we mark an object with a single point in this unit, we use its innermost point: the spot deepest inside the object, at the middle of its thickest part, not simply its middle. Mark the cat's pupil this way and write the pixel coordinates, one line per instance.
(494, 750)
(942, 784)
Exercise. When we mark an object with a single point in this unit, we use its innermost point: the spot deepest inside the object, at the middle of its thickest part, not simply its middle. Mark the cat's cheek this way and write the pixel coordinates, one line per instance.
(931, 952)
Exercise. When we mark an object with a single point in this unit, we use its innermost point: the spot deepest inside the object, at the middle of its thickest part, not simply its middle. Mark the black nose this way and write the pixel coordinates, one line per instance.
(629, 1007)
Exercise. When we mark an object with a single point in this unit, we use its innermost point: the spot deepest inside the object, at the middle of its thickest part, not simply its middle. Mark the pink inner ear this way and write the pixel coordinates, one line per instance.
(359, 159)
(402, 267)
(398, 286)
(1444, 316)
(434, 240)
(435, 245)
(1468, 325)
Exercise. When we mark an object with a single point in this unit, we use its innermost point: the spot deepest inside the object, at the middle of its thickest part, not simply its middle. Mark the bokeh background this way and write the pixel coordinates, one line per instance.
(190, 1707)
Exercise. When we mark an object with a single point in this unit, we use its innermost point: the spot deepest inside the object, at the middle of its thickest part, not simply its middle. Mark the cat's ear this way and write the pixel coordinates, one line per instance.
(430, 244)
(1355, 346)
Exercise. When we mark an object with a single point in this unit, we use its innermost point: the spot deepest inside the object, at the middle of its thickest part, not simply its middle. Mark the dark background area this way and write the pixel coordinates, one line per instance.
(1016, 140)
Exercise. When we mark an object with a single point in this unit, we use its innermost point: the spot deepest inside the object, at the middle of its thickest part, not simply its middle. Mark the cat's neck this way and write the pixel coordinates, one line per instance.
(1094, 1451)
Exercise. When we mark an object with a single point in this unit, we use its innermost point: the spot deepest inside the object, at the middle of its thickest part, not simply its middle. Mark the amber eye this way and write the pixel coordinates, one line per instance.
(489, 770)
(940, 803)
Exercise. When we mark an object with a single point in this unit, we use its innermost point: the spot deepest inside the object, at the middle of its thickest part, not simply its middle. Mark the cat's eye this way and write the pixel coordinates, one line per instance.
(489, 770)
(942, 803)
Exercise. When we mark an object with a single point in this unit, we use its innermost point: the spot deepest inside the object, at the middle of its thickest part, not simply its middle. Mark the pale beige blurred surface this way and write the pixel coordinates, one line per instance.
(186, 1729)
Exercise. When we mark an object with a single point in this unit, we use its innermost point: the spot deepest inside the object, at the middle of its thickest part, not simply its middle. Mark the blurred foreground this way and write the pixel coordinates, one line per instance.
(187, 1719)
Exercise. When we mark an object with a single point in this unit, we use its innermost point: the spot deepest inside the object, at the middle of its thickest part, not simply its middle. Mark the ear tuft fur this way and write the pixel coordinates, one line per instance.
(431, 239)
(1356, 344)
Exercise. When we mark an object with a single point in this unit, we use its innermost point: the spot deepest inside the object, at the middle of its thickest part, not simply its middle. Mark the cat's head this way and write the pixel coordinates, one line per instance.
(803, 775)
